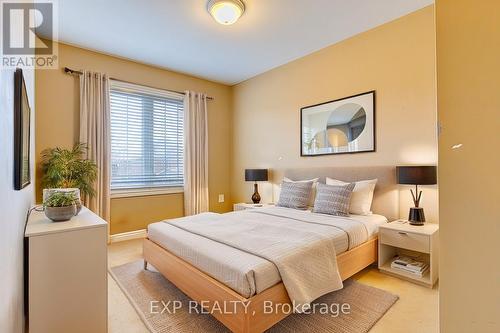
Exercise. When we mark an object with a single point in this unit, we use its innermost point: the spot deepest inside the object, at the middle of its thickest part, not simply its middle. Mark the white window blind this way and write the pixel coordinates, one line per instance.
(146, 137)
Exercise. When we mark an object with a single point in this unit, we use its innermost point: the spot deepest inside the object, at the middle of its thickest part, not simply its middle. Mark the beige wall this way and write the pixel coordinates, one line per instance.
(396, 59)
(57, 101)
(468, 91)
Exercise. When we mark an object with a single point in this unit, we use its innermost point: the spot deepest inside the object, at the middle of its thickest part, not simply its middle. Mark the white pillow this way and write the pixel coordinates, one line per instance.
(313, 192)
(362, 195)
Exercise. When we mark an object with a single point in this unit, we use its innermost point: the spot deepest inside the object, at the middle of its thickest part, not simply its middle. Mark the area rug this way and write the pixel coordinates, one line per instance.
(165, 309)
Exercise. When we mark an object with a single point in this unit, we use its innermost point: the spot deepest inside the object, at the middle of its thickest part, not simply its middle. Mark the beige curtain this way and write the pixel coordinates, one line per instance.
(95, 132)
(195, 153)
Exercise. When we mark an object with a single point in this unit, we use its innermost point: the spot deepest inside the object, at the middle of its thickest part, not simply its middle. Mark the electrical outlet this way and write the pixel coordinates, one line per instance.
(221, 198)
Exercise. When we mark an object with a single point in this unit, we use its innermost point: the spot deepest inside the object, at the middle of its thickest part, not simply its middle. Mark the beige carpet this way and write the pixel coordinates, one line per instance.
(367, 306)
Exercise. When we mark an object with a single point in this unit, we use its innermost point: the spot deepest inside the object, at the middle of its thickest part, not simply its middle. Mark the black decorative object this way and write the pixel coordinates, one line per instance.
(256, 175)
(416, 175)
(22, 113)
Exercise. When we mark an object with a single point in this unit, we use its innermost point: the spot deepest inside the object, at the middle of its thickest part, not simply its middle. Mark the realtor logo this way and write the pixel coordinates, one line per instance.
(23, 23)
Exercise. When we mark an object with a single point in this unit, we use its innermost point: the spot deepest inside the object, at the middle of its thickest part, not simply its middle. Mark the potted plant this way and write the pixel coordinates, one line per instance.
(67, 168)
(60, 206)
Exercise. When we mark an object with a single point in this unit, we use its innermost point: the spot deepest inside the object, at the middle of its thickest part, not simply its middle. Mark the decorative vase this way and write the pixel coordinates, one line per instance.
(256, 195)
(416, 216)
(59, 214)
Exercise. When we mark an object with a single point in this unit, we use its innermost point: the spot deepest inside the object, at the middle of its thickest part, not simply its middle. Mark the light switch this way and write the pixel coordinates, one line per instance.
(221, 198)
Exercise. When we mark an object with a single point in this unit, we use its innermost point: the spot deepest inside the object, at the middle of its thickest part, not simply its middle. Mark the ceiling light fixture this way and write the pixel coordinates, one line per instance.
(226, 12)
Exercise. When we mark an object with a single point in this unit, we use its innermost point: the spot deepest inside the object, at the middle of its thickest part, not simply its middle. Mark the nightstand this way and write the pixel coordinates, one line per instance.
(244, 206)
(401, 238)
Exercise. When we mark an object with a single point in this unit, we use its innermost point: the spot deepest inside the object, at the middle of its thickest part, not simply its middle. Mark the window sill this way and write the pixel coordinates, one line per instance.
(143, 192)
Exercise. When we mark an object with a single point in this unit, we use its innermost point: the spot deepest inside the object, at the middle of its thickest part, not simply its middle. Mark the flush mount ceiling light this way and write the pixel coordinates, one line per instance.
(226, 12)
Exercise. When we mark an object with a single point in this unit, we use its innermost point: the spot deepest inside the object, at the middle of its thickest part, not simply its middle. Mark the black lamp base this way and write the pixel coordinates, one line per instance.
(416, 216)
(256, 195)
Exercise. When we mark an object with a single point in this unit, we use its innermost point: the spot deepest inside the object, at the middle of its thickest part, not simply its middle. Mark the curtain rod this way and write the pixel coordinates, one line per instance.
(74, 72)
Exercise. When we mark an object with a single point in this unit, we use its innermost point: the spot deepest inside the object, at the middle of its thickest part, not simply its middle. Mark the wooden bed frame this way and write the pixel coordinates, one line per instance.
(248, 315)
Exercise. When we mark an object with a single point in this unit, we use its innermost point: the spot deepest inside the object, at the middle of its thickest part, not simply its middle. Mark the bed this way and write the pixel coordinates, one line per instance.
(217, 271)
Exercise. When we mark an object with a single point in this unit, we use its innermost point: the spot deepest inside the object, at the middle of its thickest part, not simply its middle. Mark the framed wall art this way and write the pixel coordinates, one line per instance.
(341, 126)
(22, 115)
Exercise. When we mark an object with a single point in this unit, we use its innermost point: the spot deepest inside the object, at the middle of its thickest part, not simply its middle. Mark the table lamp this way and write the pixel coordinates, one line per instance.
(416, 175)
(256, 175)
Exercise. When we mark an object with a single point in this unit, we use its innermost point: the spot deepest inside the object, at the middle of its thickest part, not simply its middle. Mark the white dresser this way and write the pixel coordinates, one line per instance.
(67, 274)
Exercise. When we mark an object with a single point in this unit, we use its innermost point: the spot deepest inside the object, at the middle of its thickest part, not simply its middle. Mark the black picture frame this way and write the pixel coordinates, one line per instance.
(374, 129)
(22, 129)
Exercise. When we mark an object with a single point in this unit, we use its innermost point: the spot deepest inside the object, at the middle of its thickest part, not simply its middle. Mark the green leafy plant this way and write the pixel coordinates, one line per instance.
(65, 168)
(61, 199)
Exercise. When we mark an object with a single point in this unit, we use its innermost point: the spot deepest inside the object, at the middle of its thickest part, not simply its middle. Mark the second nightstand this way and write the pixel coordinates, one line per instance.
(401, 238)
(243, 206)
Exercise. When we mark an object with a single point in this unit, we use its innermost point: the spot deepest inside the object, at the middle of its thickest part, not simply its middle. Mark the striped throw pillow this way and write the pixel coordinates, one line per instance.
(333, 200)
(295, 195)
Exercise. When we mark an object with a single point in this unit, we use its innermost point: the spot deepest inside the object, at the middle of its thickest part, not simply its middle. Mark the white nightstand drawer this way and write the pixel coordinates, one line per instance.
(405, 240)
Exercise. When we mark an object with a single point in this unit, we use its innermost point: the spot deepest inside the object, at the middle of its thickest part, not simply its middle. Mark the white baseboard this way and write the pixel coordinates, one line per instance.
(128, 236)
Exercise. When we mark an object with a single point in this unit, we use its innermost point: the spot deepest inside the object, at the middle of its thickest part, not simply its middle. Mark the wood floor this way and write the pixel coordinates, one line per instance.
(416, 310)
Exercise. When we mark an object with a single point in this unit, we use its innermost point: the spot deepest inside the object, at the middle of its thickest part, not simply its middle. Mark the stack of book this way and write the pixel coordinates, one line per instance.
(410, 265)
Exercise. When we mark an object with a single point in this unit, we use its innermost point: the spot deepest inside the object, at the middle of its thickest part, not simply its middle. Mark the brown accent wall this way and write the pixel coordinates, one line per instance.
(57, 122)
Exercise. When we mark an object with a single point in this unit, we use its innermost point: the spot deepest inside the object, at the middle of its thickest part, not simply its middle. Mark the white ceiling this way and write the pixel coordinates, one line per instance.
(180, 34)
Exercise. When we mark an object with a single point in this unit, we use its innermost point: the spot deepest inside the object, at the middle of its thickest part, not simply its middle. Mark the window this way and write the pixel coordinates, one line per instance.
(146, 137)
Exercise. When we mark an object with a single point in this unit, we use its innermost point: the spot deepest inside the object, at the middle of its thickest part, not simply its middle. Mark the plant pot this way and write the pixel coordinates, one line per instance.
(59, 214)
(78, 204)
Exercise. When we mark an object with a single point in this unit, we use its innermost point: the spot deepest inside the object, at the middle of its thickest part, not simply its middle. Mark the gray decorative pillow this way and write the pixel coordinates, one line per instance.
(295, 194)
(333, 200)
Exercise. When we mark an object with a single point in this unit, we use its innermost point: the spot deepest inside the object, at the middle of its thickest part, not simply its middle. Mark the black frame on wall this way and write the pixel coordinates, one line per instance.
(22, 129)
(347, 152)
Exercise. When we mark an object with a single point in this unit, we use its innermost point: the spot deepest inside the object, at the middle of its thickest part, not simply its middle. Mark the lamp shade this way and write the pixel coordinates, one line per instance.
(256, 175)
(416, 175)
